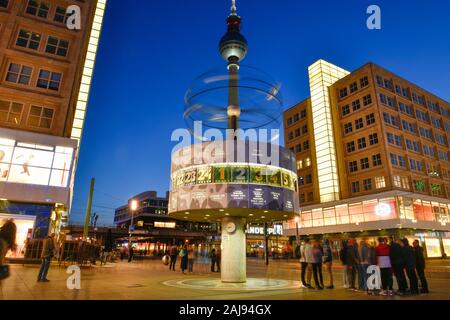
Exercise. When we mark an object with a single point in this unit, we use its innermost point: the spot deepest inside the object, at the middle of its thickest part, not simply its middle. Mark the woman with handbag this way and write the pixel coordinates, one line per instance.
(7, 242)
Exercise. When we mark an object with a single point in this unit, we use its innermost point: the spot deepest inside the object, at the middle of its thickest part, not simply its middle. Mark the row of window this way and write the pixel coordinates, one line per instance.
(32, 40)
(42, 9)
(361, 143)
(296, 117)
(364, 163)
(353, 87)
(411, 95)
(21, 74)
(298, 132)
(12, 112)
(359, 123)
(356, 105)
(303, 163)
(368, 184)
(298, 148)
(418, 185)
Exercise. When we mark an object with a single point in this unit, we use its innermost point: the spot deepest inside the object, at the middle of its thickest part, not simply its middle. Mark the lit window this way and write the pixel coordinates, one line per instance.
(380, 183)
(397, 181)
(299, 164)
(40, 117)
(308, 162)
(10, 112)
(28, 39)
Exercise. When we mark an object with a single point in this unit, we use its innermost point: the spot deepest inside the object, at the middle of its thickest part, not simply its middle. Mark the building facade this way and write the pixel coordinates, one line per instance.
(372, 156)
(46, 69)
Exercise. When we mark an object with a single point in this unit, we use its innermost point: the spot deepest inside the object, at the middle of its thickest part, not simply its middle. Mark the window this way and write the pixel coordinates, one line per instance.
(10, 112)
(440, 139)
(310, 196)
(370, 119)
(359, 123)
(37, 8)
(353, 87)
(394, 159)
(376, 160)
(367, 100)
(356, 105)
(419, 185)
(49, 80)
(415, 165)
(4, 3)
(408, 126)
(289, 121)
(303, 114)
(350, 146)
(296, 117)
(298, 148)
(364, 163)
(367, 184)
(306, 145)
(422, 116)
(40, 117)
(362, 143)
(388, 101)
(390, 119)
(394, 139)
(60, 15)
(291, 135)
(305, 129)
(355, 187)
(364, 82)
(302, 197)
(57, 46)
(343, 93)
(28, 39)
(433, 106)
(373, 139)
(405, 109)
(299, 164)
(402, 161)
(353, 166)
(426, 133)
(397, 181)
(308, 179)
(301, 181)
(380, 182)
(18, 74)
(412, 145)
(447, 126)
(308, 162)
(297, 133)
(442, 155)
(428, 150)
(345, 110)
(436, 122)
(348, 127)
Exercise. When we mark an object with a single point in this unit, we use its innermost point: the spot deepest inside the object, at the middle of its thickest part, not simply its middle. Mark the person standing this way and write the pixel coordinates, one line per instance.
(410, 266)
(303, 265)
(130, 253)
(317, 265)
(218, 259)
(384, 263)
(184, 258)
(420, 266)
(398, 265)
(352, 260)
(191, 259)
(48, 251)
(343, 258)
(328, 261)
(213, 259)
(173, 257)
(7, 242)
(364, 257)
(309, 258)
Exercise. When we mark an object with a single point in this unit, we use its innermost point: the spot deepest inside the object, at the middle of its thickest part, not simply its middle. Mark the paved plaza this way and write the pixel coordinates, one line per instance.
(150, 279)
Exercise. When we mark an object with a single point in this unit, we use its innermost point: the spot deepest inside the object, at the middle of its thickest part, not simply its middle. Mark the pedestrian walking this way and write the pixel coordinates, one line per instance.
(384, 263)
(7, 242)
(48, 252)
(328, 261)
(184, 258)
(173, 257)
(317, 265)
(410, 266)
(420, 266)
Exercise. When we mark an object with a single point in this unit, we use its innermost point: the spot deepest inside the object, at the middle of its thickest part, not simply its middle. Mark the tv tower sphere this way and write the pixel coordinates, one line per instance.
(233, 46)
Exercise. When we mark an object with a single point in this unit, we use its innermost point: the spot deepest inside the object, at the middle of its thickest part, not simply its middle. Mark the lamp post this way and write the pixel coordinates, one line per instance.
(297, 219)
(133, 207)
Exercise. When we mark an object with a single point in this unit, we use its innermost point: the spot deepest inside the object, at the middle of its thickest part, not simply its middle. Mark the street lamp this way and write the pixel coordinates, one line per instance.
(133, 207)
(297, 219)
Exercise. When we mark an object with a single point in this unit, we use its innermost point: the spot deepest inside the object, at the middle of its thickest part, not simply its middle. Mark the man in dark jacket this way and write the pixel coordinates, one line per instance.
(420, 265)
(48, 251)
(398, 264)
(352, 260)
(410, 266)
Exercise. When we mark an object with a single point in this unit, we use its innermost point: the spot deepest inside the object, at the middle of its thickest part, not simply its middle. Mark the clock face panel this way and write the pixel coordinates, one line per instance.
(230, 227)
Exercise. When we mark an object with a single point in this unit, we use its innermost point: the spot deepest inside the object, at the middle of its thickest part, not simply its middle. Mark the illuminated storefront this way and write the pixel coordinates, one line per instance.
(35, 173)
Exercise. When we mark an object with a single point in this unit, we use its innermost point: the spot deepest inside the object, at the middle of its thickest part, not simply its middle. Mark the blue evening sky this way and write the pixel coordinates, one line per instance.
(151, 50)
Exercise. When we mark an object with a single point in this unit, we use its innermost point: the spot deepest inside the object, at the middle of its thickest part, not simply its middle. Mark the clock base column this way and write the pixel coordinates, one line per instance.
(233, 254)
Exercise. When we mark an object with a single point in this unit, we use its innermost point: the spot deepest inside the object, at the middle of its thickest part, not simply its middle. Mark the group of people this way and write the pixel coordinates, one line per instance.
(395, 258)
(8, 242)
(188, 257)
